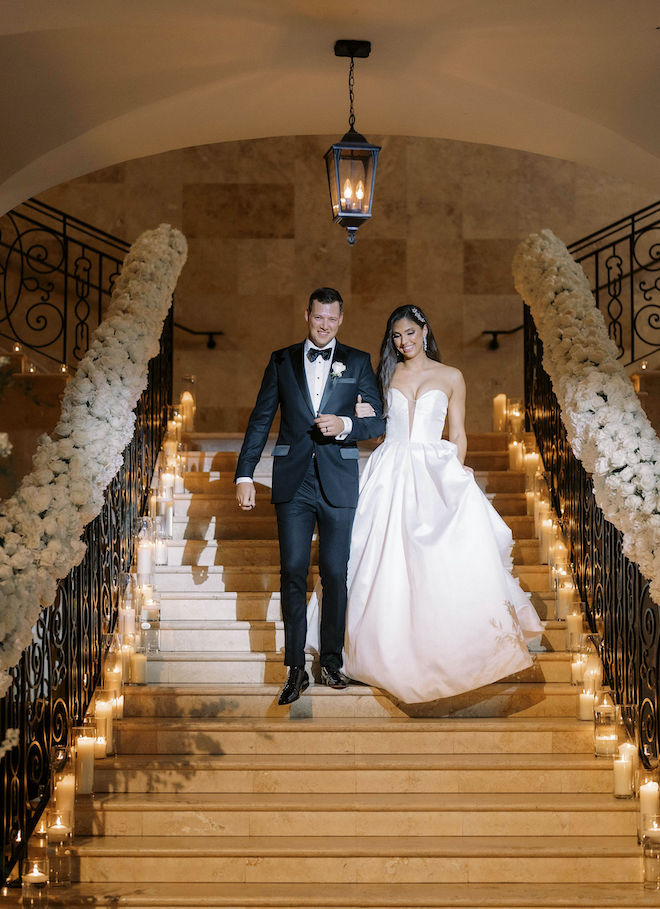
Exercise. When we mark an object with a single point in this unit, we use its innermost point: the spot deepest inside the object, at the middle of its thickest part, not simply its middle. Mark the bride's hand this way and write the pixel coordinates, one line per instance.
(363, 408)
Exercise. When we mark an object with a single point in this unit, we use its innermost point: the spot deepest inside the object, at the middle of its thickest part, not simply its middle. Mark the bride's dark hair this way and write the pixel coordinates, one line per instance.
(389, 356)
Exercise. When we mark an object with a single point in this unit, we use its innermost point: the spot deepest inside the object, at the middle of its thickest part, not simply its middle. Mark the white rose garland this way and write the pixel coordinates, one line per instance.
(41, 524)
(605, 423)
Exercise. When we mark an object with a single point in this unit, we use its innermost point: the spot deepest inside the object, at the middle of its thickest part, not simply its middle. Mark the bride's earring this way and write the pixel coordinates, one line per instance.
(426, 342)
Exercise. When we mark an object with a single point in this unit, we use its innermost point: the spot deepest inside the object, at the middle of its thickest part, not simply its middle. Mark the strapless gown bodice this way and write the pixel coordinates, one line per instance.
(420, 421)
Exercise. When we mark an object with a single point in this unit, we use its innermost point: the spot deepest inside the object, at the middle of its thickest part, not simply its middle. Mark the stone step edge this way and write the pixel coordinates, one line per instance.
(139, 847)
(362, 762)
(364, 802)
(191, 624)
(193, 895)
(390, 724)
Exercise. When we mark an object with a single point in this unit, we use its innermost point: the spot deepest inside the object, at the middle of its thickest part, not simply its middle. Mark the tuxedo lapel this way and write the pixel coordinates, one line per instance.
(340, 355)
(297, 352)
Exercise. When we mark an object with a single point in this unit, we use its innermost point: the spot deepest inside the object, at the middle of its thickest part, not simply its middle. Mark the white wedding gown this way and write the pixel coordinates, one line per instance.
(433, 609)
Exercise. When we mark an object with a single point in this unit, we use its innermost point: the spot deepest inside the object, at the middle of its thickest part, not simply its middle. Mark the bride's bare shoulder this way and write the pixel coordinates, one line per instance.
(450, 374)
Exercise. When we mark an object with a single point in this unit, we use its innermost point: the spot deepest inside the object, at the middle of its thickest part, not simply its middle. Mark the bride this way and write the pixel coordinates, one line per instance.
(433, 609)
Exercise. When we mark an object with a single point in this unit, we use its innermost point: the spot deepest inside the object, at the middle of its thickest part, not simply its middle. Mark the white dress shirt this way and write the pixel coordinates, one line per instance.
(317, 374)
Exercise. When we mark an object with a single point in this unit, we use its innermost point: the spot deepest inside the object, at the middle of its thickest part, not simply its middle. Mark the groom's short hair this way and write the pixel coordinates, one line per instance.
(325, 295)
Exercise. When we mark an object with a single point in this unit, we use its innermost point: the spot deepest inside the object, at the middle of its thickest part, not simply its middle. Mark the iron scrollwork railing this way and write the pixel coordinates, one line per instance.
(54, 682)
(622, 262)
(618, 604)
(56, 278)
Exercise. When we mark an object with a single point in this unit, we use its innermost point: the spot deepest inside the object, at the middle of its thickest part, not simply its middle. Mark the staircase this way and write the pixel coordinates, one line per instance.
(218, 797)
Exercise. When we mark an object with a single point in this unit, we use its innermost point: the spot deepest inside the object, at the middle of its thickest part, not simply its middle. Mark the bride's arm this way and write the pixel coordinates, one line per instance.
(456, 416)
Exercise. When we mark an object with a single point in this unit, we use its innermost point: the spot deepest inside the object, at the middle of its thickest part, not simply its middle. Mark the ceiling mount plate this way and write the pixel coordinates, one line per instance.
(346, 47)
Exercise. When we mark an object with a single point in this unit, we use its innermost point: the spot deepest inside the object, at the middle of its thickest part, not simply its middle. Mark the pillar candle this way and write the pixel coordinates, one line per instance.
(104, 725)
(586, 705)
(515, 456)
(649, 799)
(499, 412)
(145, 558)
(623, 778)
(578, 665)
(530, 497)
(112, 679)
(179, 487)
(540, 512)
(138, 668)
(127, 620)
(546, 536)
(85, 764)
(593, 674)
(161, 551)
(565, 597)
(187, 407)
(65, 794)
(118, 707)
(532, 459)
(573, 629)
(100, 746)
(126, 651)
(169, 520)
(631, 753)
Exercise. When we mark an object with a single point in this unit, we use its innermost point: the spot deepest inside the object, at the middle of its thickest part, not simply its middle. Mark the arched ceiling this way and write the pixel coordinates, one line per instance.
(88, 83)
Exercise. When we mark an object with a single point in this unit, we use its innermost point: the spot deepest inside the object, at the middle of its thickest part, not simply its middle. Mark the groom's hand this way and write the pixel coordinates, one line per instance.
(329, 424)
(363, 409)
(246, 496)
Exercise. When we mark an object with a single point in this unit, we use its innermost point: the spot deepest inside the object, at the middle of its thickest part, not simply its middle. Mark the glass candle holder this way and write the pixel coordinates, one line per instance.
(649, 801)
(34, 882)
(574, 626)
(139, 662)
(650, 838)
(624, 778)
(84, 739)
(606, 737)
(187, 403)
(60, 834)
(104, 715)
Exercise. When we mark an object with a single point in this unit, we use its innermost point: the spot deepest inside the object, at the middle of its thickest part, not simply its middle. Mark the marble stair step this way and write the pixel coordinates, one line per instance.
(391, 895)
(524, 693)
(241, 553)
(239, 814)
(217, 578)
(301, 734)
(246, 527)
(487, 460)
(432, 773)
(347, 859)
(179, 632)
(251, 606)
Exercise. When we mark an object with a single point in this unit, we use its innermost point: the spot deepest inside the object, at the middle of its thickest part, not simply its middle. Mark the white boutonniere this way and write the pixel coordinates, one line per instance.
(337, 369)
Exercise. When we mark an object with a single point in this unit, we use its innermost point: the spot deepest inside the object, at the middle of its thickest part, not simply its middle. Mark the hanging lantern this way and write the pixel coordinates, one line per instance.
(351, 162)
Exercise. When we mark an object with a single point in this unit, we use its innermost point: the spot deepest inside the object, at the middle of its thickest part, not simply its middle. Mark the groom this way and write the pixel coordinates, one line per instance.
(316, 384)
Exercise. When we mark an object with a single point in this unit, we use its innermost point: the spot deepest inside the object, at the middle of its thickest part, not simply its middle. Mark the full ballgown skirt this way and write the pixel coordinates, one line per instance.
(433, 609)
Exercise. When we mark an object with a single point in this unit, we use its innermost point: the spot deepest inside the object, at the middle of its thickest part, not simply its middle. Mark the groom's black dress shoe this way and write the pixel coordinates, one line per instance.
(295, 684)
(333, 678)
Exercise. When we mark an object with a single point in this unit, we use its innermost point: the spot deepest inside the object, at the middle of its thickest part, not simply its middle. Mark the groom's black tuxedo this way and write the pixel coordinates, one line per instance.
(315, 481)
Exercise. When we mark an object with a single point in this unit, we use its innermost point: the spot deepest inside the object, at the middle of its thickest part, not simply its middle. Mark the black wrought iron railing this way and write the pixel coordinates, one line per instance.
(622, 262)
(56, 278)
(618, 605)
(54, 682)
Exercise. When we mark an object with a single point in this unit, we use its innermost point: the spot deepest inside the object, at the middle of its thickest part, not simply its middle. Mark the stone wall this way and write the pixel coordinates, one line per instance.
(447, 217)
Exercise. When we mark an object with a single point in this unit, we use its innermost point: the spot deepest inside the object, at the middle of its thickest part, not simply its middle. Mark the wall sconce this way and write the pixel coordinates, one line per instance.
(351, 162)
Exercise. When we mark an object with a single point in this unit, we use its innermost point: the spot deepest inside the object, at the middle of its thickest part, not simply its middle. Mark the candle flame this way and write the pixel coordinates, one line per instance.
(348, 190)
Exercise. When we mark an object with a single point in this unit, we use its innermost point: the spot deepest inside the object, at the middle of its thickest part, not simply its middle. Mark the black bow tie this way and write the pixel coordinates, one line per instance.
(314, 352)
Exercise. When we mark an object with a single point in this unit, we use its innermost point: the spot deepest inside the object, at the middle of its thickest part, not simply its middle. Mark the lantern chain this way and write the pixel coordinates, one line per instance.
(351, 93)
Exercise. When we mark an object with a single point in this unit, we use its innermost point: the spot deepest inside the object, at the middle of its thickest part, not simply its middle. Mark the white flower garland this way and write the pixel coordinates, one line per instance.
(41, 524)
(605, 423)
